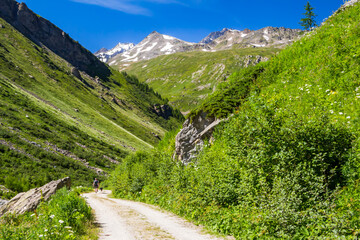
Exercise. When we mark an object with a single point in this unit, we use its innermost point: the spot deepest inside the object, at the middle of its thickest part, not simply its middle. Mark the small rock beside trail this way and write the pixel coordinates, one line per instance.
(28, 201)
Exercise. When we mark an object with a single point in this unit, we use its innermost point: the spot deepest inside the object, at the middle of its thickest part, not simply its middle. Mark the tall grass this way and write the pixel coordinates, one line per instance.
(65, 216)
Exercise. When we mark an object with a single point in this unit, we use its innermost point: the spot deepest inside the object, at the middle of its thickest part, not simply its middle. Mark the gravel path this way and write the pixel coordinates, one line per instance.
(127, 220)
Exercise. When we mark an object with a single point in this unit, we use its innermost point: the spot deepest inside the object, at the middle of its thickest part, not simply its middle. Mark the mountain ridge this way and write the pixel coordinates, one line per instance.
(45, 33)
(157, 44)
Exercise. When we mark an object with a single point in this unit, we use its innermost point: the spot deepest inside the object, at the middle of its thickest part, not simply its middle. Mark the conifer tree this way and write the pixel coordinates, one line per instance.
(308, 21)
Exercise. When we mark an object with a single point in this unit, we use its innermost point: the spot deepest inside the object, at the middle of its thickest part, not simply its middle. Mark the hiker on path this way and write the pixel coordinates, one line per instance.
(96, 184)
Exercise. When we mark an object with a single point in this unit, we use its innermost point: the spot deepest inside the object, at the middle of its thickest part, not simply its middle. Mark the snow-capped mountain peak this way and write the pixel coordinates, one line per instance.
(155, 44)
(104, 55)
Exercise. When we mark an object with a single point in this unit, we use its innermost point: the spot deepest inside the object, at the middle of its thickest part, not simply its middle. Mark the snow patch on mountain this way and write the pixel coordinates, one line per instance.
(167, 37)
(167, 47)
(104, 55)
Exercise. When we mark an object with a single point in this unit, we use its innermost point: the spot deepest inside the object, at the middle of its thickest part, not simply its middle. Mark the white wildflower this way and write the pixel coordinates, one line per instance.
(348, 117)
(341, 113)
(52, 216)
(331, 111)
(61, 221)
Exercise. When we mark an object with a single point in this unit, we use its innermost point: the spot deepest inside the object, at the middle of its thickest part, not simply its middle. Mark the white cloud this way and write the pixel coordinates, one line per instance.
(127, 6)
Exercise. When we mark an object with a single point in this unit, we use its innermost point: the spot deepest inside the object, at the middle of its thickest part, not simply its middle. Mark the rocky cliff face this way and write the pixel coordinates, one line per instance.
(44, 33)
(190, 139)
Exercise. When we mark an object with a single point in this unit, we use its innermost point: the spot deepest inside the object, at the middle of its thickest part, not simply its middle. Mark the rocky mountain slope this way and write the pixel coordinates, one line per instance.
(269, 36)
(56, 119)
(104, 54)
(214, 35)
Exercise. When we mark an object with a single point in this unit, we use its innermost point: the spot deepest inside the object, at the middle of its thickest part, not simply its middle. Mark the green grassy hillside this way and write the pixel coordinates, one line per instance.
(53, 124)
(186, 79)
(286, 164)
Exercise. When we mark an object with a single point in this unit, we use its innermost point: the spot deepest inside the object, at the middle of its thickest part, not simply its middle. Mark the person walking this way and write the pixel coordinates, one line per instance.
(96, 184)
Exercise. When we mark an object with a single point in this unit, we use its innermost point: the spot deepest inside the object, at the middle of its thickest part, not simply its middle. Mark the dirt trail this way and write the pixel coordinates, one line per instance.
(127, 220)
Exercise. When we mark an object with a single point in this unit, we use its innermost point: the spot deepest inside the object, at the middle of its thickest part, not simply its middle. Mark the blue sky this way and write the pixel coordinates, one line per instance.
(104, 23)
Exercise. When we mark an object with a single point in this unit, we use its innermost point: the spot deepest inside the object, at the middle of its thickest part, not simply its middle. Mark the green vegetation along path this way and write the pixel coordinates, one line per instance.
(127, 220)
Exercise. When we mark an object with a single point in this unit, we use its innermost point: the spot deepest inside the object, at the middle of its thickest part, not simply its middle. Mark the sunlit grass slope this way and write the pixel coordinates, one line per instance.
(186, 79)
(54, 124)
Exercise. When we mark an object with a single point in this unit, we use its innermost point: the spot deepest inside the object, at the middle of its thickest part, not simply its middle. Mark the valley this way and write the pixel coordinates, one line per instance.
(252, 134)
(60, 118)
(186, 73)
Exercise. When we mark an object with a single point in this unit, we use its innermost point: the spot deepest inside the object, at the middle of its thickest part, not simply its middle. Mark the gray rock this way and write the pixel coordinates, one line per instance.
(3, 202)
(29, 201)
(190, 139)
(76, 73)
(253, 60)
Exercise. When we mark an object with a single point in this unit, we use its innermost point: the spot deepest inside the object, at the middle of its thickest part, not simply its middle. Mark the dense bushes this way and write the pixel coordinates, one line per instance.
(65, 216)
(286, 163)
(262, 176)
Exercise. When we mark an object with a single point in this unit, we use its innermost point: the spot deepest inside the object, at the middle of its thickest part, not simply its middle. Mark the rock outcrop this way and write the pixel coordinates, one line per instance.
(28, 201)
(163, 111)
(253, 60)
(44, 33)
(76, 73)
(190, 139)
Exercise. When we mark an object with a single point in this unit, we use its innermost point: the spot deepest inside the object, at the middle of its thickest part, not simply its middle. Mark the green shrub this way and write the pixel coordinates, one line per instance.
(65, 216)
(286, 164)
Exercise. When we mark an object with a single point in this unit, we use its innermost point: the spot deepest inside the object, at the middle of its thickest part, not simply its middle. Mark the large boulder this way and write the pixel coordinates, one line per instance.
(190, 139)
(29, 201)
